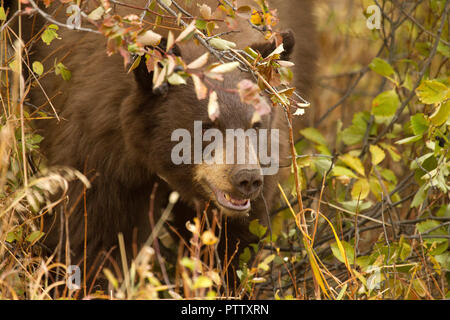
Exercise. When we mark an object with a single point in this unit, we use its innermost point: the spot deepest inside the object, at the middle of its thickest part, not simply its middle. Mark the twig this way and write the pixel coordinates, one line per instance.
(417, 84)
(17, 13)
(52, 20)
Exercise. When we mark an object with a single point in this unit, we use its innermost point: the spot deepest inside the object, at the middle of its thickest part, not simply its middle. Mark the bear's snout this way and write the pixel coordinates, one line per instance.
(247, 181)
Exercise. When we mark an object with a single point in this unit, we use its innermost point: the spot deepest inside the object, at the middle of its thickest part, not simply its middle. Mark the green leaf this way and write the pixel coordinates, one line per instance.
(50, 34)
(323, 150)
(63, 71)
(38, 68)
(202, 282)
(2, 14)
(355, 133)
(435, 245)
(339, 171)
(322, 165)
(419, 287)
(352, 135)
(363, 261)
(342, 292)
(245, 256)
(444, 211)
(355, 205)
(443, 49)
(385, 104)
(389, 175)
(409, 140)
(34, 236)
(314, 135)
(200, 24)
(257, 229)
(14, 66)
(444, 260)
(377, 153)
(361, 189)
(109, 275)
(419, 124)
(408, 82)
(11, 237)
(375, 187)
(420, 161)
(265, 264)
(381, 67)
(420, 196)
(14, 235)
(404, 249)
(432, 91)
(349, 252)
(188, 263)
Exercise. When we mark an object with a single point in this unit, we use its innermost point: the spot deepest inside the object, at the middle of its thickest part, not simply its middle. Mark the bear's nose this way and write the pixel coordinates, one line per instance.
(247, 181)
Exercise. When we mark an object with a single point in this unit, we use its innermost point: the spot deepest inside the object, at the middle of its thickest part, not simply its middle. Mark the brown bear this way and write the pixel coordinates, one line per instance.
(118, 131)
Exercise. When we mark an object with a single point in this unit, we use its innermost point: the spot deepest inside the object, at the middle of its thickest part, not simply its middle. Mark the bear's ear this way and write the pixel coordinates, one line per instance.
(144, 78)
(267, 48)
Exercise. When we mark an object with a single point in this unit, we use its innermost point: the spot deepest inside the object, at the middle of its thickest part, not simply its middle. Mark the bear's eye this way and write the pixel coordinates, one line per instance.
(257, 125)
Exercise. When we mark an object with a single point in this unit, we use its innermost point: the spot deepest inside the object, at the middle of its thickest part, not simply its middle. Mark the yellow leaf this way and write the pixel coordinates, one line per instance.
(354, 163)
(256, 18)
(441, 115)
(377, 153)
(202, 282)
(208, 238)
(360, 189)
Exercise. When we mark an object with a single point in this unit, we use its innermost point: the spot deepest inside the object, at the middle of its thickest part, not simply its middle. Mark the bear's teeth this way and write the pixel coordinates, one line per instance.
(234, 201)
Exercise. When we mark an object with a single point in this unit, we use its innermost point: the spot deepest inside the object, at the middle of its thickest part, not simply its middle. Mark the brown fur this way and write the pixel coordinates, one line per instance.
(119, 135)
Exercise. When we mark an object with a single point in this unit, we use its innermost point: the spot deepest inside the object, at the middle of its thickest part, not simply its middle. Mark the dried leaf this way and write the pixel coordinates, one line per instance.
(213, 106)
(205, 11)
(225, 67)
(96, 14)
(149, 38)
(278, 50)
(200, 89)
(222, 44)
(199, 62)
(186, 32)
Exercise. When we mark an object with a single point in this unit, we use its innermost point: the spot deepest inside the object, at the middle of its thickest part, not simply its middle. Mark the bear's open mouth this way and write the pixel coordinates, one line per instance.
(228, 202)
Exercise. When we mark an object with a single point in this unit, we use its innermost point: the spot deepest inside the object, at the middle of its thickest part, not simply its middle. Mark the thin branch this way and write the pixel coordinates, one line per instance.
(52, 20)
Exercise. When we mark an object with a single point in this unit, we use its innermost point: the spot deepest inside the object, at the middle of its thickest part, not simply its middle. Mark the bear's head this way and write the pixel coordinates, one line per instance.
(223, 157)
